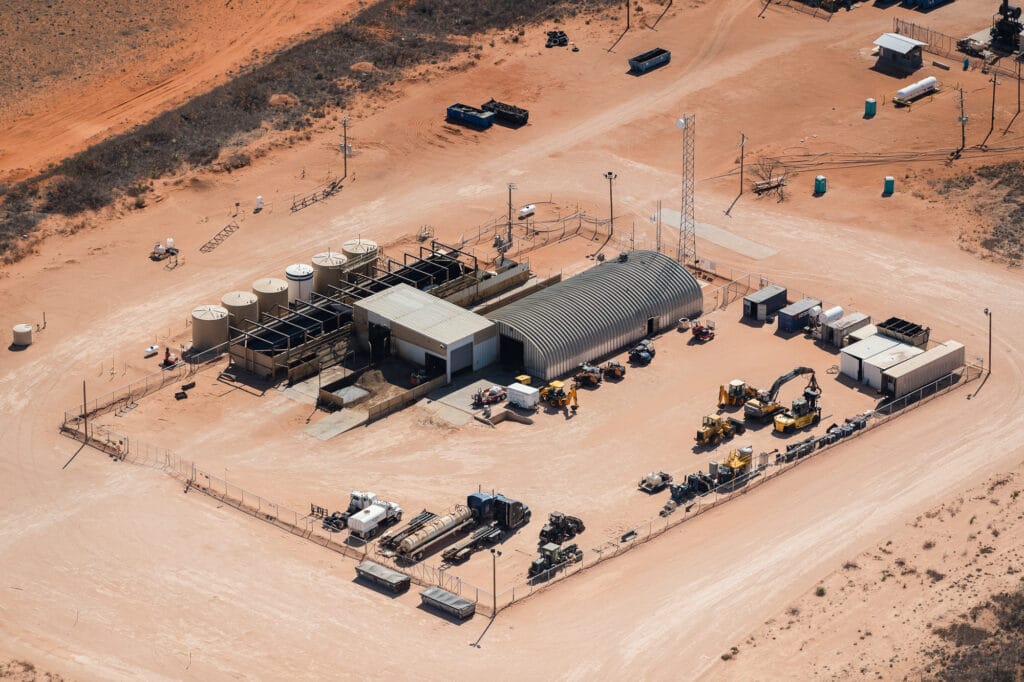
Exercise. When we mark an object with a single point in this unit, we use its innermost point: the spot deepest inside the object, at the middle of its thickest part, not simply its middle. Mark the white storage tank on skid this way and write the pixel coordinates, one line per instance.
(851, 357)
(209, 327)
(521, 395)
(241, 306)
(830, 315)
(300, 281)
(327, 271)
(915, 90)
(361, 254)
(874, 366)
(270, 293)
(22, 335)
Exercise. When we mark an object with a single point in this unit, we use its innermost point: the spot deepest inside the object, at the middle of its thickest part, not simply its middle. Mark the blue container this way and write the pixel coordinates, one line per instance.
(890, 185)
(870, 107)
(820, 184)
(471, 116)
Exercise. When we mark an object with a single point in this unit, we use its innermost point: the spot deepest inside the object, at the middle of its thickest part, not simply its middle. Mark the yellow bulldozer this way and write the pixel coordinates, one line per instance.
(555, 395)
(737, 393)
(717, 427)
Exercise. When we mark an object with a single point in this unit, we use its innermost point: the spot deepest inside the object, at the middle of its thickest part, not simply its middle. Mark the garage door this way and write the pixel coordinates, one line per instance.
(462, 357)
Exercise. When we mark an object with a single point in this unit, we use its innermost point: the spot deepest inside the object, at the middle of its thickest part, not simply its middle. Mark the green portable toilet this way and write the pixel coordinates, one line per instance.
(819, 184)
(870, 107)
(890, 185)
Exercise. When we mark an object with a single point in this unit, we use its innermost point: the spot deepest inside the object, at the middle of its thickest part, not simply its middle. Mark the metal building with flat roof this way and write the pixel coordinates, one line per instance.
(424, 330)
(597, 312)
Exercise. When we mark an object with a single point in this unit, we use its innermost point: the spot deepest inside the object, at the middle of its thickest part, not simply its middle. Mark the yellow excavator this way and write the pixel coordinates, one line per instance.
(764, 406)
(737, 393)
(555, 395)
(804, 412)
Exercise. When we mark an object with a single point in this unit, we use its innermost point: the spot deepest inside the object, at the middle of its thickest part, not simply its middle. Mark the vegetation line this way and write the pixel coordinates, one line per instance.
(311, 78)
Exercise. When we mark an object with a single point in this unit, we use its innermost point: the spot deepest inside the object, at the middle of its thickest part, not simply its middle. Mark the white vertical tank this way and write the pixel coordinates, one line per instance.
(241, 306)
(209, 327)
(22, 335)
(300, 281)
(270, 293)
(327, 271)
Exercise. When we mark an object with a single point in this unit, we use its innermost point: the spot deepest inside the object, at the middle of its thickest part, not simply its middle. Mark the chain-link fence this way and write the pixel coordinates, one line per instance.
(126, 396)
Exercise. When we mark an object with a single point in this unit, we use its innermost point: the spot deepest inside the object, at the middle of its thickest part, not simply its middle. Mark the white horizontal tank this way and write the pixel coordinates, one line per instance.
(921, 87)
(830, 315)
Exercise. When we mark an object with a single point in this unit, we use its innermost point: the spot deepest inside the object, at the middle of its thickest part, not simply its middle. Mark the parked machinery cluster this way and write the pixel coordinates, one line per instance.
(588, 375)
(490, 515)
(489, 396)
(553, 556)
(764, 405)
(642, 353)
(735, 470)
(614, 369)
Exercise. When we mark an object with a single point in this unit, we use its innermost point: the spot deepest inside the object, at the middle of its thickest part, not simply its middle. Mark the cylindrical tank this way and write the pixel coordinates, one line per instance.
(241, 306)
(890, 185)
(433, 529)
(361, 254)
(921, 87)
(209, 327)
(22, 334)
(816, 313)
(870, 107)
(831, 315)
(271, 292)
(300, 281)
(820, 184)
(327, 270)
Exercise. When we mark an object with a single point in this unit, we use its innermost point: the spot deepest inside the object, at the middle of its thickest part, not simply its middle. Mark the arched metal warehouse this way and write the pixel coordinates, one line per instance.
(595, 313)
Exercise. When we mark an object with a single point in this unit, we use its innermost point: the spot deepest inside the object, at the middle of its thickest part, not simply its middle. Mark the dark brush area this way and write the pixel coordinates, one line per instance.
(392, 35)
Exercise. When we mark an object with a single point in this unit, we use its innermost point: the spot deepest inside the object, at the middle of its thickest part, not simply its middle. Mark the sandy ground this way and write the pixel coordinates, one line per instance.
(111, 572)
(78, 72)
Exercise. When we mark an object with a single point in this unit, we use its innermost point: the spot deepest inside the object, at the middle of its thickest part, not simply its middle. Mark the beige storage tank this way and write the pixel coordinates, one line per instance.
(361, 254)
(271, 292)
(209, 327)
(327, 270)
(241, 306)
(22, 334)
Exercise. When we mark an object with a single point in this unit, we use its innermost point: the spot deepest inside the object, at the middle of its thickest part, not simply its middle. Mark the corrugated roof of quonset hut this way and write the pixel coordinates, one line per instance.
(424, 314)
(600, 310)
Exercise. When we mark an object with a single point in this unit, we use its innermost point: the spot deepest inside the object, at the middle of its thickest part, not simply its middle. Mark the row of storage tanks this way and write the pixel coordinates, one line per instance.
(210, 323)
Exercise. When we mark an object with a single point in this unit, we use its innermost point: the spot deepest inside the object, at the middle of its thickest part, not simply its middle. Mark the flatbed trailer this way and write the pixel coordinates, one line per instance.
(480, 538)
(449, 603)
(415, 523)
(385, 577)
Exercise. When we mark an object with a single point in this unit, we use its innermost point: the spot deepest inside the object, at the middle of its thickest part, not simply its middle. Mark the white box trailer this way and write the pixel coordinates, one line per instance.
(852, 356)
(873, 367)
(521, 395)
(366, 523)
(918, 372)
(862, 333)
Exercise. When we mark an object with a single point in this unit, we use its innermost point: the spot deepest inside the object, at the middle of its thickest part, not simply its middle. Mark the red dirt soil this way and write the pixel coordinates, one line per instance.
(111, 572)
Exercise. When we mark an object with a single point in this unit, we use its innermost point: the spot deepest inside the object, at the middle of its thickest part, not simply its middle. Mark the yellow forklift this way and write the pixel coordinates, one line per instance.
(804, 412)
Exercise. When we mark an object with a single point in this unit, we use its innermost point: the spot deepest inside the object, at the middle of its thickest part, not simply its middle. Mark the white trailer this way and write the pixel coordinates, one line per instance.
(852, 356)
(366, 523)
(521, 395)
(874, 366)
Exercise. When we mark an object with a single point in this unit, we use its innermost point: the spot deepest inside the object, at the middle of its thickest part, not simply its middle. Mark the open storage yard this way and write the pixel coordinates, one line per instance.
(117, 565)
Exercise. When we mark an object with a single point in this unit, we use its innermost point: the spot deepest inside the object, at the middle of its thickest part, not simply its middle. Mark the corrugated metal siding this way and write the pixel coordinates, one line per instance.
(599, 311)
(923, 369)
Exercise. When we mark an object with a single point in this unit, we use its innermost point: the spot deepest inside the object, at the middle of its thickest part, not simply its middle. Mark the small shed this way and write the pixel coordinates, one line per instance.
(900, 53)
(864, 332)
(760, 304)
(795, 316)
(852, 357)
(836, 333)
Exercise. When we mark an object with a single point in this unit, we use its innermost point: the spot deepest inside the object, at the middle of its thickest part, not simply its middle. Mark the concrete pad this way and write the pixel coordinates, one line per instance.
(723, 238)
(352, 394)
(307, 392)
(337, 423)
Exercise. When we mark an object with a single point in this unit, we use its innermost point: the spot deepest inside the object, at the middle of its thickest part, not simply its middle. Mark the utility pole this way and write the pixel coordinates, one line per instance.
(657, 233)
(995, 82)
(511, 186)
(627, 15)
(988, 314)
(85, 413)
(495, 553)
(963, 127)
(611, 206)
(686, 252)
(743, 147)
(344, 144)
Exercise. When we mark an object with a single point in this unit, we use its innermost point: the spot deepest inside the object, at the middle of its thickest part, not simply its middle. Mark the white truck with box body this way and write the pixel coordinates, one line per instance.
(368, 522)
